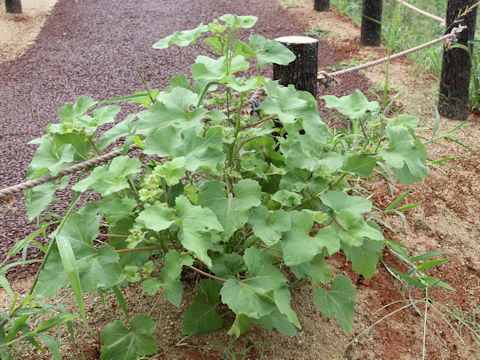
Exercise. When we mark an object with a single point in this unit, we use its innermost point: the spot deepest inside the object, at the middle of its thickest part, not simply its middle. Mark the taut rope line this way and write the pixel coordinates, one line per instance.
(423, 12)
(327, 78)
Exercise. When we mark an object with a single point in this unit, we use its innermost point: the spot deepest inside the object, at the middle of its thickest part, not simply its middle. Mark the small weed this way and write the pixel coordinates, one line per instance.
(290, 3)
(316, 31)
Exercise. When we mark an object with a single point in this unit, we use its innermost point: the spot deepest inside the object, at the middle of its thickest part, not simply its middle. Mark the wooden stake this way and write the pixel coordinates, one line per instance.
(371, 22)
(456, 64)
(321, 5)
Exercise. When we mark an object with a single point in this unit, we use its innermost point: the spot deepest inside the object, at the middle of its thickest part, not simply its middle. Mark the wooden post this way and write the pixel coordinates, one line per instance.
(13, 6)
(371, 22)
(456, 65)
(303, 71)
(321, 5)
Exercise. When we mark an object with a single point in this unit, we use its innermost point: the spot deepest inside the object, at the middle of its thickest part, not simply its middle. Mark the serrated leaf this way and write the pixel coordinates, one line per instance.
(276, 320)
(267, 225)
(172, 171)
(37, 198)
(283, 101)
(50, 159)
(198, 151)
(201, 316)
(122, 129)
(151, 286)
(365, 257)
(355, 105)
(405, 154)
(231, 211)
(106, 114)
(244, 299)
(120, 343)
(339, 300)
(181, 38)
(199, 228)
(156, 217)
(170, 276)
(236, 21)
(114, 207)
(206, 68)
(172, 110)
(287, 198)
(361, 165)
(298, 246)
(355, 229)
(227, 265)
(270, 51)
(110, 179)
(317, 270)
(339, 200)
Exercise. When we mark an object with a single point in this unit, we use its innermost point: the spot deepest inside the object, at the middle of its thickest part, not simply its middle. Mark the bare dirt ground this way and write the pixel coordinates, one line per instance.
(18, 31)
(447, 220)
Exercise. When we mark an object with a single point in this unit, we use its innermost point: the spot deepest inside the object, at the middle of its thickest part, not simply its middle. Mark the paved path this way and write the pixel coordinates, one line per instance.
(88, 48)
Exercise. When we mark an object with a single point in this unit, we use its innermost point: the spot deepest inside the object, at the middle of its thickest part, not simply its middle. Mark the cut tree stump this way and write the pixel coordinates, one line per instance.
(302, 72)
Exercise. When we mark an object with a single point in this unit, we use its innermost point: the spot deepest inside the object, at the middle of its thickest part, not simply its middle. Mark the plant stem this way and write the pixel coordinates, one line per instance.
(137, 249)
(206, 274)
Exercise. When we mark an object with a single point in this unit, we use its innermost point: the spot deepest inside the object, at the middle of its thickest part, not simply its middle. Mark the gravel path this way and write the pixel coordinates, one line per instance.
(88, 48)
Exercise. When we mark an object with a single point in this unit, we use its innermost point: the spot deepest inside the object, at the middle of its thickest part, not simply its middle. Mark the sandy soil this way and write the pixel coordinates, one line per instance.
(447, 220)
(18, 31)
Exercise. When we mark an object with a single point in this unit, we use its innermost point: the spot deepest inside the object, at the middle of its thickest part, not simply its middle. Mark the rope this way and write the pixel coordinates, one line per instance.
(10, 191)
(327, 78)
(6, 194)
(423, 12)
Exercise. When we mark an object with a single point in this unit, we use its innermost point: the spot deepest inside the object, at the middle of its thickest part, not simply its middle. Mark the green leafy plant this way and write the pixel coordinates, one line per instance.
(218, 190)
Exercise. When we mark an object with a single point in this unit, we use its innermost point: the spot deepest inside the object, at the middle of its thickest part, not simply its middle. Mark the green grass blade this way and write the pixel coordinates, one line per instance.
(397, 201)
(121, 301)
(427, 256)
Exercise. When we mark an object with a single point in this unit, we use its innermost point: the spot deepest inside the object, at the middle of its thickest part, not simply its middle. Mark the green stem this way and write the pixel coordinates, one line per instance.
(50, 247)
(97, 150)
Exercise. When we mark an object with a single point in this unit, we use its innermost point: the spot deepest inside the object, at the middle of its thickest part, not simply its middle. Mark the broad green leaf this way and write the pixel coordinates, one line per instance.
(110, 179)
(122, 129)
(206, 68)
(361, 165)
(6, 285)
(198, 230)
(151, 286)
(283, 101)
(37, 198)
(241, 325)
(50, 159)
(317, 270)
(236, 21)
(113, 207)
(201, 316)
(270, 51)
(227, 265)
(121, 343)
(365, 257)
(181, 38)
(355, 229)
(409, 121)
(267, 225)
(405, 154)
(170, 276)
(231, 211)
(172, 171)
(156, 217)
(244, 299)
(287, 198)
(339, 300)
(172, 110)
(275, 320)
(355, 105)
(198, 151)
(106, 114)
(339, 200)
(81, 106)
(53, 269)
(298, 246)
